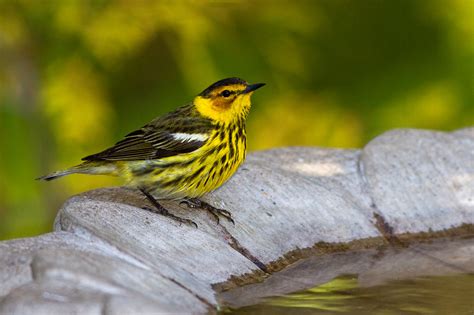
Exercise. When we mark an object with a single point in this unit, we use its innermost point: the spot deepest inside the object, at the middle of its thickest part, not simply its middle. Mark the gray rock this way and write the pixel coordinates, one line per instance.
(115, 277)
(138, 305)
(468, 132)
(288, 199)
(16, 255)
(187, 255)
(69, 270)
(421, 180)
(52, 297)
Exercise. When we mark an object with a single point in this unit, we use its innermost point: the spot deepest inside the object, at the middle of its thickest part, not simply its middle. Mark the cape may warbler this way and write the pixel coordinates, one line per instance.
(183, 154)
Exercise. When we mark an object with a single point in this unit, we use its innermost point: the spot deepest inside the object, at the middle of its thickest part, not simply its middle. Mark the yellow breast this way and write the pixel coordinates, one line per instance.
(192, 174)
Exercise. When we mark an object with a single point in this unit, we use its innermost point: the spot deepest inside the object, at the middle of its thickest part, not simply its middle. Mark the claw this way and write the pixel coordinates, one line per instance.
(159, 209)
(215, 212)
(188, 222)
(188, 203)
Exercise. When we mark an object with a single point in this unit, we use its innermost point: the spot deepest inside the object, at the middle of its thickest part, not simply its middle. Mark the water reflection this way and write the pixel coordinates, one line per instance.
(448, 294)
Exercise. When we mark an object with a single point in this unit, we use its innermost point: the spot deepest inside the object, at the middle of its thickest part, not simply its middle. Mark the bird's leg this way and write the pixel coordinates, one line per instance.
(162, 210)
(216, 212)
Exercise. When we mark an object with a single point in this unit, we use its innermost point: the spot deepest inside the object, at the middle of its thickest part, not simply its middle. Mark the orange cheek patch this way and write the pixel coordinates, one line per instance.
(221, 104)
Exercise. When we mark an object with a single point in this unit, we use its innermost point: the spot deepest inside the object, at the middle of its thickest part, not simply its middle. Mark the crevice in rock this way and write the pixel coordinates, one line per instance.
(379, 221)
(103, 309)
(203, 300)
(318, 249)
(235, 244)
(387, 231)
(403, 240)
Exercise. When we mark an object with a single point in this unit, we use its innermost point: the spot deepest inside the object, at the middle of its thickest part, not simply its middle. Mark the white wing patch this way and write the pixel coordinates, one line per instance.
(188, 137)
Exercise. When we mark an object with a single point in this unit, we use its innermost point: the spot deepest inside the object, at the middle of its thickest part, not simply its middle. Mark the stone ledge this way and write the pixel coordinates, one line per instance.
(108, 255)
(421, 180)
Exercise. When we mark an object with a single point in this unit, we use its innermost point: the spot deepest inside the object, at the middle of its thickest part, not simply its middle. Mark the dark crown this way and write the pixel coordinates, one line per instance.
(224, 82)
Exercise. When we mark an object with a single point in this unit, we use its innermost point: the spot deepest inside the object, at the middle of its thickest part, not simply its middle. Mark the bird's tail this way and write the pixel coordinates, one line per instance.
(95, 168)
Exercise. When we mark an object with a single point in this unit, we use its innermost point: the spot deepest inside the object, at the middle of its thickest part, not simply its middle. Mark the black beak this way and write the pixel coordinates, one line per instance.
(253, 87)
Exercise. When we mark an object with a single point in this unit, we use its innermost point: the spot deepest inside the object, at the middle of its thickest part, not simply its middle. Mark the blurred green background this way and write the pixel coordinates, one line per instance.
(75, 76)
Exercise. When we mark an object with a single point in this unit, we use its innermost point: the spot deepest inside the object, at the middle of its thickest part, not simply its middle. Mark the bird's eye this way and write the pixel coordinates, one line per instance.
(226, 93)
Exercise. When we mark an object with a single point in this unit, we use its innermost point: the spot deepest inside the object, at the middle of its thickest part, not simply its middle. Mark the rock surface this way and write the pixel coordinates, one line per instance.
(421, 180)
(109, 256)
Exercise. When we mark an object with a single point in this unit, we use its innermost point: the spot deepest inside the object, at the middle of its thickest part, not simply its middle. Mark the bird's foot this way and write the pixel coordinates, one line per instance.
(159, 209)
(215, 212)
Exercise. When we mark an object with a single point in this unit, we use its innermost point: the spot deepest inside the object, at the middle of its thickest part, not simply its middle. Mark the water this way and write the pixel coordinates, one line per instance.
(448, 294)
(434, 277)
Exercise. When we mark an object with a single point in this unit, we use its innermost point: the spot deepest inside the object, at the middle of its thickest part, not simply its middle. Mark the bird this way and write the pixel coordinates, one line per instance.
(183, 154)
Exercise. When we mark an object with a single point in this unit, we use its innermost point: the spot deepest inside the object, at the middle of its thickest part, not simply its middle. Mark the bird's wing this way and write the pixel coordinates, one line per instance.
(173, 134)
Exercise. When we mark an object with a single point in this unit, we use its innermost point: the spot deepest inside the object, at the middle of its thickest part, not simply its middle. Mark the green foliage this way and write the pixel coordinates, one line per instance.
(75, 76)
